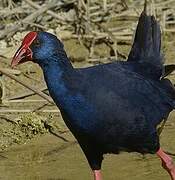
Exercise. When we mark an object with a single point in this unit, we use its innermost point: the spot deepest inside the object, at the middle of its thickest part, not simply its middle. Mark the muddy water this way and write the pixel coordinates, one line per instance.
(50, 158)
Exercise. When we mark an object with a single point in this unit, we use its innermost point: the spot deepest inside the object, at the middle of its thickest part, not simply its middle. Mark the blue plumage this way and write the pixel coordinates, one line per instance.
(111, 107)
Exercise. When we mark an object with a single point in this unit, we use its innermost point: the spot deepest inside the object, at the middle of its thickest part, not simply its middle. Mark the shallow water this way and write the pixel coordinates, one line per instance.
(50, 158)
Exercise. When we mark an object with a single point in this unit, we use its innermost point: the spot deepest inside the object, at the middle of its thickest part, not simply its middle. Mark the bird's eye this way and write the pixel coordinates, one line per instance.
(36, 43)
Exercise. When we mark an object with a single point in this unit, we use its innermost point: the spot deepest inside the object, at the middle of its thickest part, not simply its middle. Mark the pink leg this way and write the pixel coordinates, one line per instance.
(167, 163)
(97, 175)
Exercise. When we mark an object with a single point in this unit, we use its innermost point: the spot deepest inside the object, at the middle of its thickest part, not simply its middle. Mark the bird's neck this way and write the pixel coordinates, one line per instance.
(64, 84)
(57, 75)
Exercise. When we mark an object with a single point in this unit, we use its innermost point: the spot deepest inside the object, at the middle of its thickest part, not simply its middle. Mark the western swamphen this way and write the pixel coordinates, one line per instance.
(111, 107)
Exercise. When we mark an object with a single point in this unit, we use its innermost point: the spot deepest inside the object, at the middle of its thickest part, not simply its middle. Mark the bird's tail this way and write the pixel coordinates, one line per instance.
(147, 42)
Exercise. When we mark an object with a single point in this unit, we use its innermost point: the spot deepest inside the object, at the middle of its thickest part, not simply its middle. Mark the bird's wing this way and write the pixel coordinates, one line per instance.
(147, 44)
(116, 92)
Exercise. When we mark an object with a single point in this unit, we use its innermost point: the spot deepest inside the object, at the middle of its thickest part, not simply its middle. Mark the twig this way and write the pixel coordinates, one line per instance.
(88, 22)
(31, 18)
(105, 5)
(7, 119)
(27, 111)
(36, 25)
(25, 94)
(25, 101)
(51, 13)
(12, 71)
(40, 107)
(112, 36)
(41, 94)
(6, 12)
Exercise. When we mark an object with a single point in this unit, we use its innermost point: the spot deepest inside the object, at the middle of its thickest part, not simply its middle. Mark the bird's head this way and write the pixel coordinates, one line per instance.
(38, 47)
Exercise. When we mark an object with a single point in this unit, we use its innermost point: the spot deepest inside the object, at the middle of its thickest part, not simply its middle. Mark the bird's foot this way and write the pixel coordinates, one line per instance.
(167, 163)
(97, 175)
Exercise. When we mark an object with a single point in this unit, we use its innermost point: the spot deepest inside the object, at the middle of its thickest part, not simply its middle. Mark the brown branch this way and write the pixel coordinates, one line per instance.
(41, 94)
(28, 111)
(25, 94)
(51, 13)
(31, 18)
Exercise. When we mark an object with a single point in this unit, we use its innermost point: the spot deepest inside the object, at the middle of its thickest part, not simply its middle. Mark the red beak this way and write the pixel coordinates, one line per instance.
(24, 53)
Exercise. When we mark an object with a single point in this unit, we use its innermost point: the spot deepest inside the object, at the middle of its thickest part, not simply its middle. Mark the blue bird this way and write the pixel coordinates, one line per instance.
(111, 107)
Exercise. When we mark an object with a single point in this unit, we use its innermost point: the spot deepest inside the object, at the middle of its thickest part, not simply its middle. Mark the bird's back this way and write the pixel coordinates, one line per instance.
(118, 83)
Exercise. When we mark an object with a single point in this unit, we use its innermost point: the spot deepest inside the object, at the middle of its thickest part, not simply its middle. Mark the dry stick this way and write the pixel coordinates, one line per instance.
(25, 101)
(51, 13)
(83, 5)
(123, 2)
(25, 94)
(164, 3)
(98, 16)
(117, 17)
(170, 22)
(99, 36)
(31, 18)
(29, 77)
(41, 94)
(88, 22)
(40, 107)
(36, 25)
(111, 58)
(153, 11)
(127, 13)
(105, 5)
(98, 7)
(12, 71)
(7, 119)
(164, 21)
(91, 51)
(2, 89)
(170, 30)
(28, 111)
(6, 12)
(112, 36)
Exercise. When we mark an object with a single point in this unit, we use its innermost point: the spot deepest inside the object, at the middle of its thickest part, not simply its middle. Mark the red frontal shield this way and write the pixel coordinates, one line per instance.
(24, 53)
